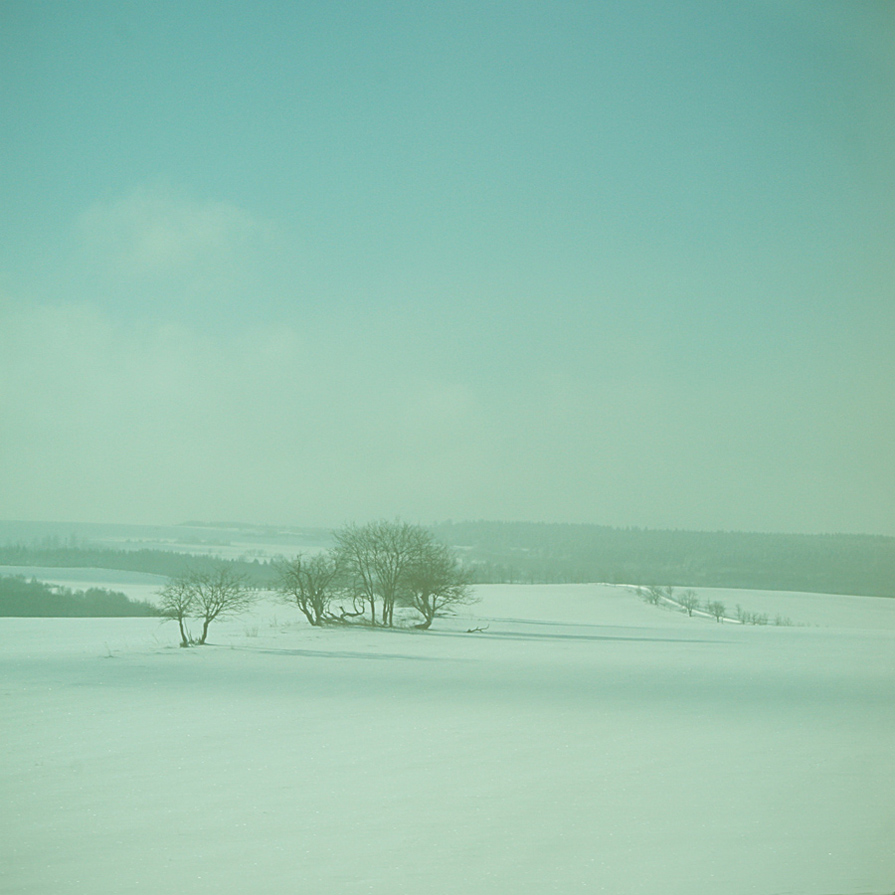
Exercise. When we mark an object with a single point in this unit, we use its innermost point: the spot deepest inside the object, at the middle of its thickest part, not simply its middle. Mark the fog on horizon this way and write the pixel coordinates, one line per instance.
(628, 264)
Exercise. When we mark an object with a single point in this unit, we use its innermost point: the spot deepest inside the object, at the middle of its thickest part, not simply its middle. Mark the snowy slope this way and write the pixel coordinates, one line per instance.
(583, 742)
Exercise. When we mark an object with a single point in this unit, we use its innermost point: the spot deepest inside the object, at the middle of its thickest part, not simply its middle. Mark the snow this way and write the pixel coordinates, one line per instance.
(585, 741)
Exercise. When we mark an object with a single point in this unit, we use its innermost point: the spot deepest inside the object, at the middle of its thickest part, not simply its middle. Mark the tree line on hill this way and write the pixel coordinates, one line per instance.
(168, 563)
(520, 552)
(35, 599)
(516, 552)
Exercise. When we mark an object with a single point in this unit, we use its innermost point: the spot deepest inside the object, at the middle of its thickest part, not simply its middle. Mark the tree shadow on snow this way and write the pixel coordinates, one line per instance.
(330, 654)
(635, 635)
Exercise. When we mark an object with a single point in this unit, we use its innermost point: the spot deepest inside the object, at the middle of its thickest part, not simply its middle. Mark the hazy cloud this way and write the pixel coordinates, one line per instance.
(603, 263)
(166, 421)
(155, 231)
(163, 422)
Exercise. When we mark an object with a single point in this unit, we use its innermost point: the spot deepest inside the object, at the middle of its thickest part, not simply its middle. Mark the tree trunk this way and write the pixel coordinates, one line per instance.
(309, 615)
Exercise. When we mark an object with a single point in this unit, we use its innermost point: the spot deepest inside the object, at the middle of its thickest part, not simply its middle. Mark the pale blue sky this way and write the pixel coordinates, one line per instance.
(624, 263)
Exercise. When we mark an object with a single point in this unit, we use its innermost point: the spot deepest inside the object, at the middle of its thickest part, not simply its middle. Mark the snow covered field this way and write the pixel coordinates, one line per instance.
(583, 742)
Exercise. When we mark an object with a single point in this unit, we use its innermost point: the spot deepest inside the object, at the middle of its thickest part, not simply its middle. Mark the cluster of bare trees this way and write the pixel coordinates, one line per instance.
(372, 570)
(686, 600)
(204, 596)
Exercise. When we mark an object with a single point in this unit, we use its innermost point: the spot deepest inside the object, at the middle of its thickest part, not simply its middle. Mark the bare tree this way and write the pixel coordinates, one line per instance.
(689, 601)
(216, 593)
(716, 609)
(354, 555)
(656, 594)
(435, 584)
(377, 558)
(396, 563)
(177, 602)
(310, 583)
(651, 594)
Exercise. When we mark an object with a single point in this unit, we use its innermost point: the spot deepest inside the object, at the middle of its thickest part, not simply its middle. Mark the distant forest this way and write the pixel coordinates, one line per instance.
(156, 562)
(521, 552)
(22, 598)
(558, 553)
